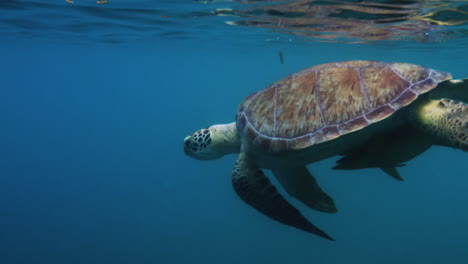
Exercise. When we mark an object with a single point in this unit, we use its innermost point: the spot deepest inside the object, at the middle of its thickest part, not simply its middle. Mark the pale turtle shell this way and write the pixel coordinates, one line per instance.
(327, 101)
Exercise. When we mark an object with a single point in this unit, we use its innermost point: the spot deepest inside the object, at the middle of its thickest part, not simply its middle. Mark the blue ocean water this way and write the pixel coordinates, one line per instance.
(96, 99)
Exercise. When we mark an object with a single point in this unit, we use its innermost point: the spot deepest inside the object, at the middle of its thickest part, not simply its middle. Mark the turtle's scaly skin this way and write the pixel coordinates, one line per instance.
(324, 102)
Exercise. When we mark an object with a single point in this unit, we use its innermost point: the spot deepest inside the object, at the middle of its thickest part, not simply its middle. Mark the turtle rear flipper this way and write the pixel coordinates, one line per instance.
(360, 160)
(347, 164)
(387, 151)
(254, 188)
(300, 184)
(445, 121)
(392, 172)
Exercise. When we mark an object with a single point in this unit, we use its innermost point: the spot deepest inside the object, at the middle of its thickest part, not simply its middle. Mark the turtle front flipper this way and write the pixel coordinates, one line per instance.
(446, 121)
(300, 184)
(254, 188)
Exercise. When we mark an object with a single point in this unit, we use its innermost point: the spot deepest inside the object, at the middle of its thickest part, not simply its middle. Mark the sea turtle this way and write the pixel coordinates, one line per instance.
(375, 114)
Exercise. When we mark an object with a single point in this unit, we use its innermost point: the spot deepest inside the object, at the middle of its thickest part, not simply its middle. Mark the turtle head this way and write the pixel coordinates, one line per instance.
(199, 145)
(212, 142)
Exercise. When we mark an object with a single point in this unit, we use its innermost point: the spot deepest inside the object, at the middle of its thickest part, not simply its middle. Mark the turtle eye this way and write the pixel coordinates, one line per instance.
(441, 104)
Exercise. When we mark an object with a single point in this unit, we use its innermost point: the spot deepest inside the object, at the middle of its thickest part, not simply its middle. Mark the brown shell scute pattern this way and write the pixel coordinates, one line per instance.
(326, 101)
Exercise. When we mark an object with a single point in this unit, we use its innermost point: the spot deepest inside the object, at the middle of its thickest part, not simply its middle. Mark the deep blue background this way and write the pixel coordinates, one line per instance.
(92, 168)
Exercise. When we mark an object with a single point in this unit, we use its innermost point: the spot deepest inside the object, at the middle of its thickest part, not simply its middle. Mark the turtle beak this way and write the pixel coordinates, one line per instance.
(187, 140)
